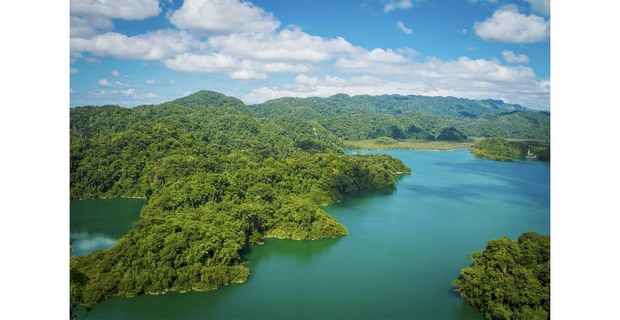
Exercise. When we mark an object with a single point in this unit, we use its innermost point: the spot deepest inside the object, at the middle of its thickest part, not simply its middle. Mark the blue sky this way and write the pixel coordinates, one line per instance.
(133, 52)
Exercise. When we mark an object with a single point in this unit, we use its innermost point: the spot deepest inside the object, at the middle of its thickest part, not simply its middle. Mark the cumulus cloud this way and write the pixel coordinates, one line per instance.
(219, 17)
(398, 4)
(233, 67)
(303, 79)
(87, 17)
(115, 73)
(74, 70)
(540, 7)
(292, 45)
(403, 28)
(510, 57)
(157, 45)
(247, 75)
(197, 63)
(116, 9)
(284, 67)
(80, 27)
(150, 81)
(508, 25)
(376, 61)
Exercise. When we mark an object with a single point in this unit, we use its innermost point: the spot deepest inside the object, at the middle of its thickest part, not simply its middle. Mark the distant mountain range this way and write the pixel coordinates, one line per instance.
(395, 116)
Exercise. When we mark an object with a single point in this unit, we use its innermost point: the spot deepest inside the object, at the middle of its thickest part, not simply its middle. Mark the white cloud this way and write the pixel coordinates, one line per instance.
(129, 92)
(377, 61)
(403, 28)
(510, 57)
(334, 81)
(213, 17)
(155, 45)
(292, 45)
(89, 16)
(508, 25)
(81, 27)
(405, 51)
(116, 9)
(151, 95)
(464, 77)
(106, 83)
(247, 75)
(150, 81)
(398, 4)
(172, 83)
(540, 7)
(126, 97)
(196, 63)
(305, 80)
(74, 70)
(233, 67)
(115, 73)
(284, 67)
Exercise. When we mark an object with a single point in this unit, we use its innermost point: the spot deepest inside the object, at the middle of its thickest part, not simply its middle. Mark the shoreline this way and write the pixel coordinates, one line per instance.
(428, 145)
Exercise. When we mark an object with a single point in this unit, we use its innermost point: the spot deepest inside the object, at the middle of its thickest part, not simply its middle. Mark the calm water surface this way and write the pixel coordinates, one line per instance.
(406, 244)
(99, 223)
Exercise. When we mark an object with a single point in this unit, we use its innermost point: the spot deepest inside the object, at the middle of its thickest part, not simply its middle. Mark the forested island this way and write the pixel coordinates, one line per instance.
(505, 150)
(510, 279)
(220, 176)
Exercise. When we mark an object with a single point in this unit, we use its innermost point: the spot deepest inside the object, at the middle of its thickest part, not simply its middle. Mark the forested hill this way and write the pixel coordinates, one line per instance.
(411, 117)
(217, 179)
(342, 104)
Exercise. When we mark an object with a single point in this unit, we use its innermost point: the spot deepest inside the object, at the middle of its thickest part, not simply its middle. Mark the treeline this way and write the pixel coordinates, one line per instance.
(217, 180)
(504, 150)
(411, 117)
(510, 279)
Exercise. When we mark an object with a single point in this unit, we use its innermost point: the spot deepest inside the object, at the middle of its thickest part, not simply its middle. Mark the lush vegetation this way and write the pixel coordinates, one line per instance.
(504, 150)
(217, 179)
(412, 117)
(220, 176)
(510, 279)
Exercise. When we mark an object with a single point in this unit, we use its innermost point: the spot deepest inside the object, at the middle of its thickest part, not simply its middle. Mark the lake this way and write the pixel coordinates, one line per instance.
(98, 223)
(405, 245)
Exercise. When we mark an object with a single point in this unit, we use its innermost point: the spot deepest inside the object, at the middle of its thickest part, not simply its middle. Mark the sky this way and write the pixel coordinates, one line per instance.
(134, 52)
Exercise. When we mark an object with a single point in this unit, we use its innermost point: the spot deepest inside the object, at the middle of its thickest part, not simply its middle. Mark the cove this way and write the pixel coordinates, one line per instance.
(405, 245)
(98, 223)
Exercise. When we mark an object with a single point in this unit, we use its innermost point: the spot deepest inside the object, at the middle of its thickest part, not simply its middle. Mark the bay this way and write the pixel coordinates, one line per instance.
(98, 223)
(405, 245)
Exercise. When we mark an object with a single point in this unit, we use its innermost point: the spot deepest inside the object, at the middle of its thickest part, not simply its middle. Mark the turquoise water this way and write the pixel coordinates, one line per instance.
(99, 223)
(405, 245)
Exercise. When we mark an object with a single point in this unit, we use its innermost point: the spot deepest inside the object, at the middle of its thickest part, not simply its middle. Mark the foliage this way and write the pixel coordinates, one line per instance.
(217, 180)
(510, 279)
(410, 117)
(451, 134)
(504, 150)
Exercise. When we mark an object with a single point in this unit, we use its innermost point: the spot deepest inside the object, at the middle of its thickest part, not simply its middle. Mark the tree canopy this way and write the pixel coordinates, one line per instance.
(510, 279)
(504, 150)
(217, 180)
